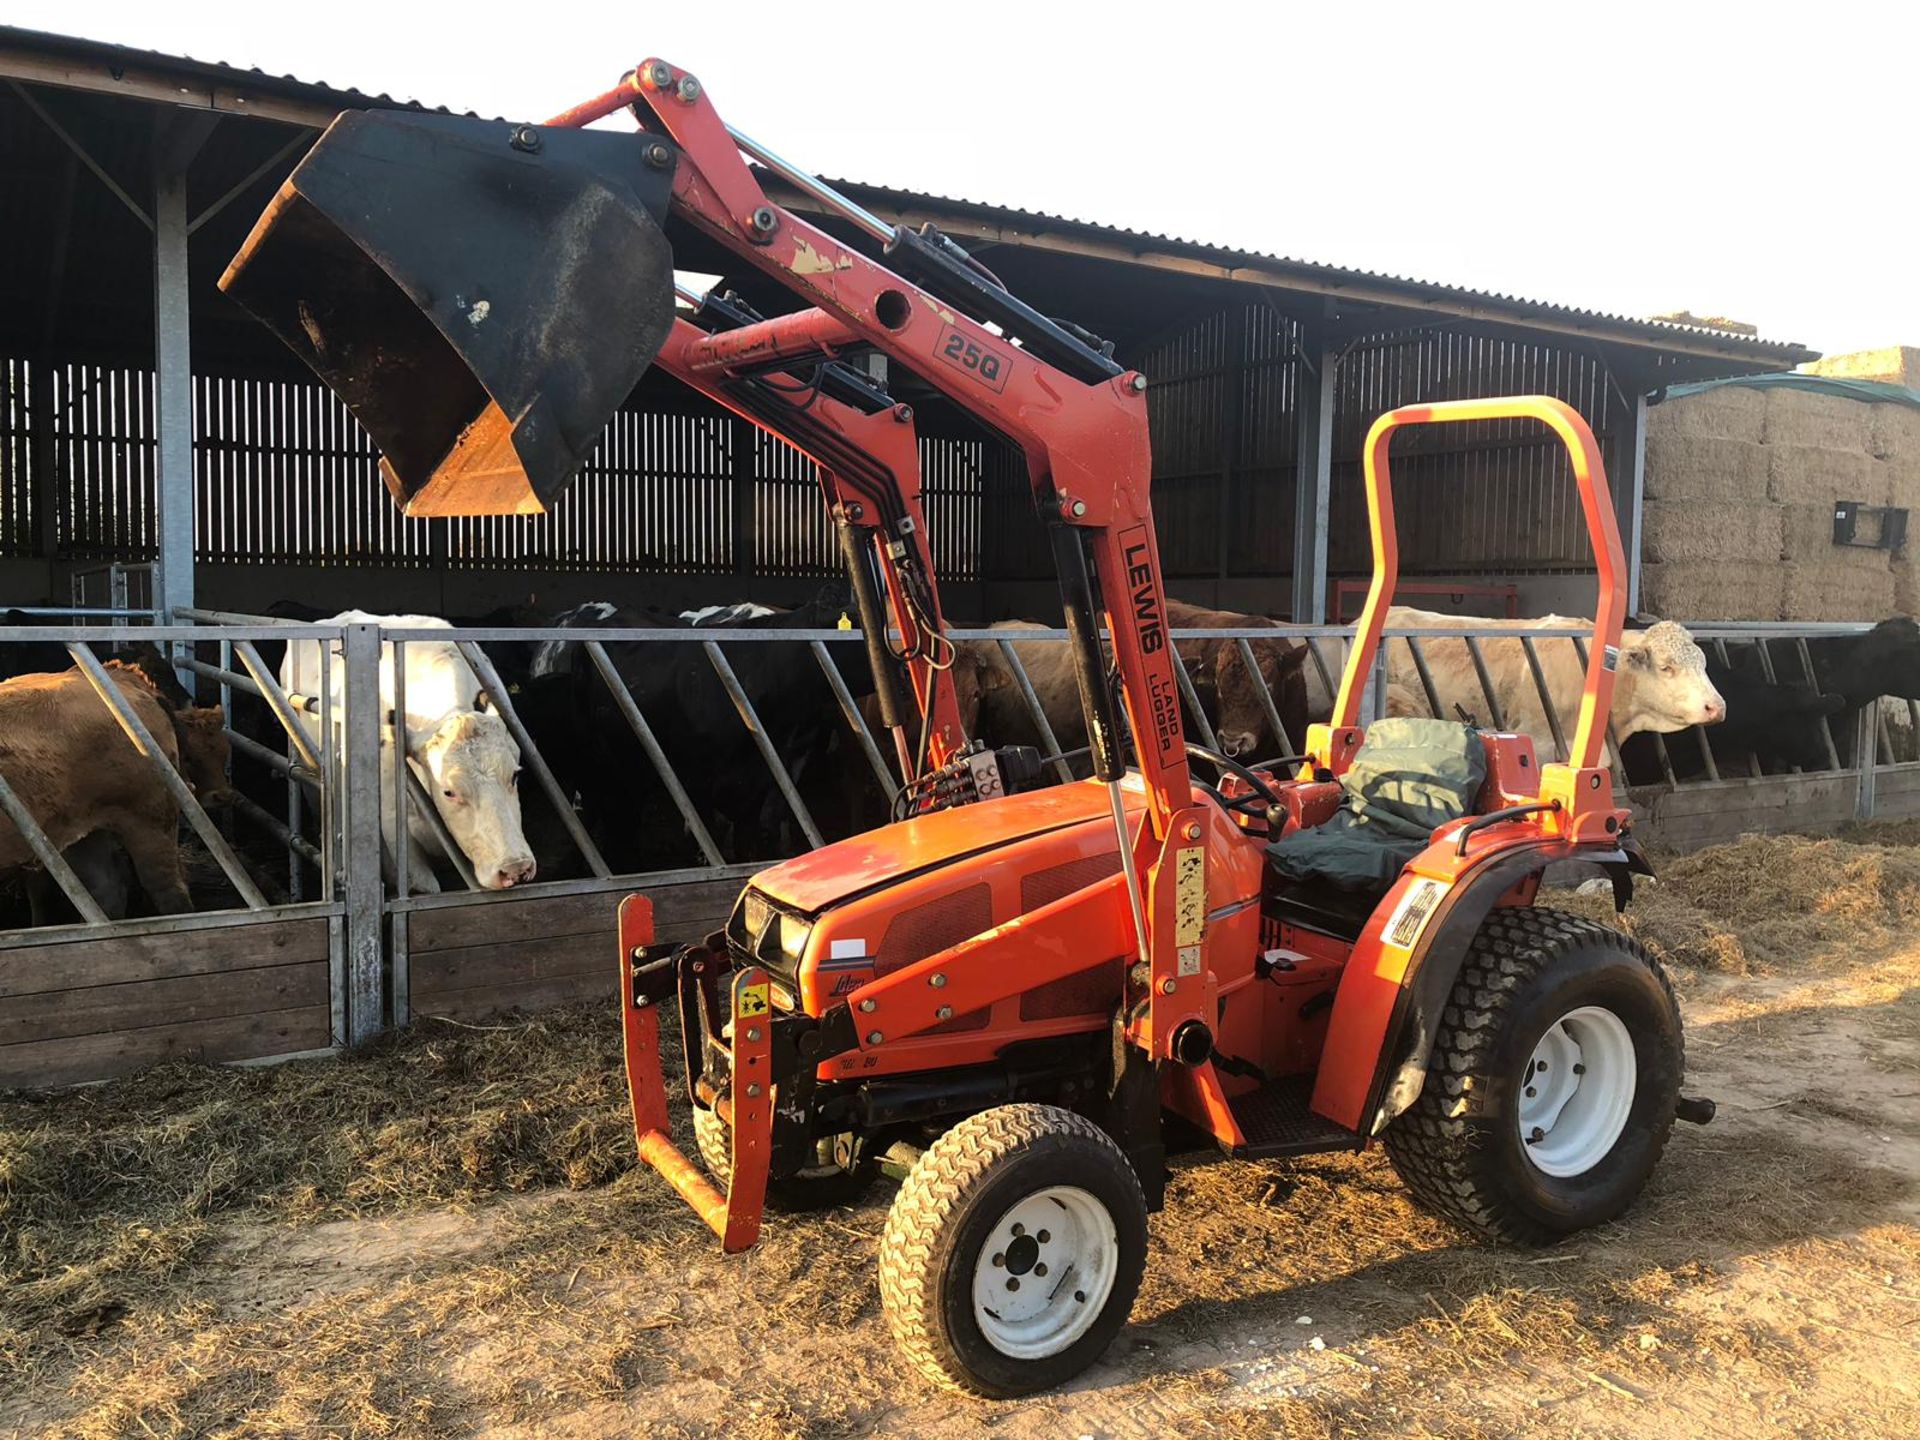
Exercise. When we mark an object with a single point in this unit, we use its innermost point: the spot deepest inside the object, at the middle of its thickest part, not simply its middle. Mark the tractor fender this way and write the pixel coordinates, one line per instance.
(1439, 953)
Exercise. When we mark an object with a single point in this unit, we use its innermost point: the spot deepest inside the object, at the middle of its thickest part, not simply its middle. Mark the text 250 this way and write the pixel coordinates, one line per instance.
(987, 366)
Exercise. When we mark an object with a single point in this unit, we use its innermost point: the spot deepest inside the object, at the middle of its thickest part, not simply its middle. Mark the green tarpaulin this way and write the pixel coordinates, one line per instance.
(1871, 392)
(1410, 777)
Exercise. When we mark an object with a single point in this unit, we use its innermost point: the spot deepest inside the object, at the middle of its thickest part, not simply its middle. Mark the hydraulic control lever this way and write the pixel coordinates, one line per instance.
(975, 773)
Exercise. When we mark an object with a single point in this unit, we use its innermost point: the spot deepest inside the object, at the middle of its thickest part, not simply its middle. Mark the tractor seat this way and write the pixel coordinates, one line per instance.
(1410, 777)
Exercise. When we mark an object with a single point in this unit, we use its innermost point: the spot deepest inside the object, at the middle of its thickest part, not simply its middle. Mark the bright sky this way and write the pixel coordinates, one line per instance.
(1746, 160)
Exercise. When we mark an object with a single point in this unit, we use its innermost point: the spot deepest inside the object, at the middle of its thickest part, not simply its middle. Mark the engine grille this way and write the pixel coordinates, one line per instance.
(1092, 992)
(927, 929)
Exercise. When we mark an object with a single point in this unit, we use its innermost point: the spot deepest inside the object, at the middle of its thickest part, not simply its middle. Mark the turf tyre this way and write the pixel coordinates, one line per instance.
(945, 1216)
(1459, 1146)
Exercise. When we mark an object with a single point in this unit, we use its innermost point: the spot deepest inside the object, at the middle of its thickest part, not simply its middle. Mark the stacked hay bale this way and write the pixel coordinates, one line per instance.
(1741, 488)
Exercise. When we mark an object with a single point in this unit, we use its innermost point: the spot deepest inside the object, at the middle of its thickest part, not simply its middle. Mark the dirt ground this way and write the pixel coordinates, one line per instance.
(444, 1237)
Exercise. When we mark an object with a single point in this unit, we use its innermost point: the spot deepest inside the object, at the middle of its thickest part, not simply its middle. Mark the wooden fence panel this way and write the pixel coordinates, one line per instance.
(76, 1009)
(1710, 812)
(469, 961)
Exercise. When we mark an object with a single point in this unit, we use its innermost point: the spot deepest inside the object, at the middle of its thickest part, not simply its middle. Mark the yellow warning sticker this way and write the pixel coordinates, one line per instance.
(750, 1000)
(1189, 895)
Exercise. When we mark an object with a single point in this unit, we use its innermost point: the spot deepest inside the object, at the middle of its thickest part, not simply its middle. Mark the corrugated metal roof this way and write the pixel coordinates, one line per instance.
(1333, 279)
(246, 77)
(1228, 258)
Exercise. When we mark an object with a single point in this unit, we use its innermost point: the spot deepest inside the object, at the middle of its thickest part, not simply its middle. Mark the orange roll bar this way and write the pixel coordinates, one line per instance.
(1596, 501)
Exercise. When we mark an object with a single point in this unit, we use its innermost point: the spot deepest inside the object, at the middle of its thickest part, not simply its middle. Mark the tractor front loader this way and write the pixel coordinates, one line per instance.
(1022, 1000)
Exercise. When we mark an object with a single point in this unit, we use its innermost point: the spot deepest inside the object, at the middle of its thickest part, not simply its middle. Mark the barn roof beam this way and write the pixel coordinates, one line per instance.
(99, 171)
(300, 141)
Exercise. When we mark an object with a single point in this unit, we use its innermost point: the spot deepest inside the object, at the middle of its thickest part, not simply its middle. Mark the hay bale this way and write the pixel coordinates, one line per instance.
(1683, 532)
(1806, 417)
(1806, 537)
(1837, 592)
(1713, 591)
(1704, 468)
(1892, 364)
(1728, 413)
(1906, 585)
(1903, 481)
(1819, 475)
(1893, 432)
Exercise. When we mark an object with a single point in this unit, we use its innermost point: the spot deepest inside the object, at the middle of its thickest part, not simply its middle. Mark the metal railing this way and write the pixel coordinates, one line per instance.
(345, 780)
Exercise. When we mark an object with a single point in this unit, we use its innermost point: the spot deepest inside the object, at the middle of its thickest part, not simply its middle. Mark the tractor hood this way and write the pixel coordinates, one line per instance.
(825, 877)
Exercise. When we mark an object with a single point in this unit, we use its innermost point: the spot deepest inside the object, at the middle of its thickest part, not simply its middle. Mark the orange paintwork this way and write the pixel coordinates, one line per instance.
(866, 884)
(813, 881)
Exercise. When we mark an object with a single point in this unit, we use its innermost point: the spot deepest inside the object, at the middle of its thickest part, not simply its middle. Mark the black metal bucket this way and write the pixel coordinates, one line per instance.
(483, 296)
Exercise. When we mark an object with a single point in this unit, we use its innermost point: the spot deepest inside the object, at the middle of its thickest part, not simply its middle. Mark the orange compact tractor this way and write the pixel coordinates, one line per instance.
(1021, 999)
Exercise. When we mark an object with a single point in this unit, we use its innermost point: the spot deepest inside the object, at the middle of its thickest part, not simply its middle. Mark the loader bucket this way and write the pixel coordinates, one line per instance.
(482, 296)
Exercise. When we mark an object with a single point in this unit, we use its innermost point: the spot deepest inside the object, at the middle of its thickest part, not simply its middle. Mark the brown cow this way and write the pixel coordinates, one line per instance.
(76, 771)
(1219, 675)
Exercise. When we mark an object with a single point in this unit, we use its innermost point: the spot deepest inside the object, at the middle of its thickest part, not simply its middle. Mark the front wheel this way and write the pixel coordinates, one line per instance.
(1551, 1089)
(1014, 1251)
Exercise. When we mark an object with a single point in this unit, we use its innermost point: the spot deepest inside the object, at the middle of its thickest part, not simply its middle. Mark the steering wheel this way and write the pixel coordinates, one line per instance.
(1254, 804)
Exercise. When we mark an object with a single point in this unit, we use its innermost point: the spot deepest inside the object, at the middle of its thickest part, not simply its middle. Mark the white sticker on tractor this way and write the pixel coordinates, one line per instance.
(1410, 916)
(1189, 960)
(847, 950)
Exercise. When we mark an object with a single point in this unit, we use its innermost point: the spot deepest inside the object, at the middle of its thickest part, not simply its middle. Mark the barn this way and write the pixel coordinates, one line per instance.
(167, 466)
(148, 420)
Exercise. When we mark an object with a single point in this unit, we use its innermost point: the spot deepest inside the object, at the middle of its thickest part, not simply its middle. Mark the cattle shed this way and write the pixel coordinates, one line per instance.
(144, 419)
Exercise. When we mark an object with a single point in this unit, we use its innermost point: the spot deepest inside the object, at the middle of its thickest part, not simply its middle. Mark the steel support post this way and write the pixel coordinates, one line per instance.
(360, 827)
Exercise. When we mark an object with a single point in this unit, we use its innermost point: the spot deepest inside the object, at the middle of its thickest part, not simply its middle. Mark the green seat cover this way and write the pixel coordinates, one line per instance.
(1410, 777)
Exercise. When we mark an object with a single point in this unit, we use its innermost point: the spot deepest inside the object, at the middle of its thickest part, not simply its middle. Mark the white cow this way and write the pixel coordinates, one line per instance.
(1661, 683)
(462, 753)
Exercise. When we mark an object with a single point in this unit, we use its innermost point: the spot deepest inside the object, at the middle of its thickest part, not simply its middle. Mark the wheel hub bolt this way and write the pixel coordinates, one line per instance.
(1041, 1268)
(1579, 1069)
(1012, 1283)
(1019, 1229)
(1531, 1092)
(1080, 1297)
(1537, 1136)
(1043, 1237)
(1000, 1260)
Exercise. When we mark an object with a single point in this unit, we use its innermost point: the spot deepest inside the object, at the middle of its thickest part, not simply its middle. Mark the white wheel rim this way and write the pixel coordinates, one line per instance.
(1577, 1092)
(1044, 1273)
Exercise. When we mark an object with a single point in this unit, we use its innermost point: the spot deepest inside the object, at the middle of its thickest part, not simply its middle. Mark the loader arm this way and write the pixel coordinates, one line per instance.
(1078, 418)
(869, 469)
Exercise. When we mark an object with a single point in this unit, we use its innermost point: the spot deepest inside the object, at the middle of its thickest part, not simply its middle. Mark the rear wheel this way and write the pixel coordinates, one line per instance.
(1014, 1251)
(1551, 1089)
(820, 1186)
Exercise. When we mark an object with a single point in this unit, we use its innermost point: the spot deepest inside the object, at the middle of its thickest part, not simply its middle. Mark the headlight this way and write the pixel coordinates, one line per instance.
(757, 913)
(793, 936)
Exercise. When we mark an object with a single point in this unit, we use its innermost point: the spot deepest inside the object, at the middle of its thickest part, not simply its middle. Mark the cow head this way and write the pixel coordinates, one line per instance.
(473, 773)
(1662, 682)
(1885, 661)
(1794, 737)
(1243, 728)
(204, 752)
